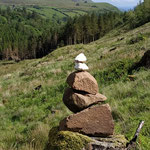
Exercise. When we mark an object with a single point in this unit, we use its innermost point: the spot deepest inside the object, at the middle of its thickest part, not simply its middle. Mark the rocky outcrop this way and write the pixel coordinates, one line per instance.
(93, 121)
(78, 100)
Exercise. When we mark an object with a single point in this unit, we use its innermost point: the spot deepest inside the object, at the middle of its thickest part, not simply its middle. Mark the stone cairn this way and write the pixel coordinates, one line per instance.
(91, 122)
(89, 119)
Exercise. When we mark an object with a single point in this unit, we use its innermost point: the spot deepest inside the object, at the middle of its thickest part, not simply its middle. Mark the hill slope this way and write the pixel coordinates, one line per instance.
(27, 114)
(60, 8)
(43, 2)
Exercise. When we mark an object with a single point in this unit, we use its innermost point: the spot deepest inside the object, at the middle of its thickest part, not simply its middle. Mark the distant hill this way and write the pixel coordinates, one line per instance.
(44, 2)
(60, 8)
(125, 8)
(54, 3)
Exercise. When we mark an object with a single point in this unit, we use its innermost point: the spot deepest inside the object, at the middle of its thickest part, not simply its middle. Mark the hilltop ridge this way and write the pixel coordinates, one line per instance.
(60, 3)
(50, 2)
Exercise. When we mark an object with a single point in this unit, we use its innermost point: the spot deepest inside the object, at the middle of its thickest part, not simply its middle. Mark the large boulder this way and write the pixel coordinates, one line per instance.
(66, 140)
(93, 121)
(78, 100)
(145, 61)
(83, 81)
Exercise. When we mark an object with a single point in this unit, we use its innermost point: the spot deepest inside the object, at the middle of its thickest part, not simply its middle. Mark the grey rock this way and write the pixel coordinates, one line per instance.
(115, 142)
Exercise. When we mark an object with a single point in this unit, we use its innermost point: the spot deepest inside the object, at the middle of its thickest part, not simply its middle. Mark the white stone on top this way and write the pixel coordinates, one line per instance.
(81, 66)
(81, 58)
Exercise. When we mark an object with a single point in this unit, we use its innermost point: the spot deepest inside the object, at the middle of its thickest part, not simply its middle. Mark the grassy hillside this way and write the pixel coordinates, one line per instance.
(27, 114)
(44, 2)
(63, 11)
(59, 8)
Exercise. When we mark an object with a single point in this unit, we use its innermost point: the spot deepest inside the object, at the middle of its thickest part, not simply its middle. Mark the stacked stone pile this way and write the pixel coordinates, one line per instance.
(91, 126)
(80, 98)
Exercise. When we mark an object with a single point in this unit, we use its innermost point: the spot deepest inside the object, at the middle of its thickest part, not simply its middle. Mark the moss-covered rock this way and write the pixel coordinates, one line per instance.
(66, 140)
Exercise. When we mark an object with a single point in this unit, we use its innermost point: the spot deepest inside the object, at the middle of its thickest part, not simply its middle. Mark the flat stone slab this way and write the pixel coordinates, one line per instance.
(83, 81)
(93, 121)
(77, 100)
(115, 142)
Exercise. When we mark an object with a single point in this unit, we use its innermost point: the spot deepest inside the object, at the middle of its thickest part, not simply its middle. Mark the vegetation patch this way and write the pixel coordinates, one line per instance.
(117, 71)
(136, 39)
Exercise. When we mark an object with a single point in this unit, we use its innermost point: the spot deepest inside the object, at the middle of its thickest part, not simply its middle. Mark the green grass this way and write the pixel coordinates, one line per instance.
(26, 115)
(59, 9)
(47, 12)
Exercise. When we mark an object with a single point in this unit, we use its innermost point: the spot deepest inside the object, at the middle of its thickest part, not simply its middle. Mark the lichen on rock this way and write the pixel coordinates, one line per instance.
(66, 140)
(114, 142)
(117, 140)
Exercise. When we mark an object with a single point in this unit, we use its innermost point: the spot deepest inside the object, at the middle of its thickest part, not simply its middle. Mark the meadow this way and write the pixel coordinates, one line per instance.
(27, 113)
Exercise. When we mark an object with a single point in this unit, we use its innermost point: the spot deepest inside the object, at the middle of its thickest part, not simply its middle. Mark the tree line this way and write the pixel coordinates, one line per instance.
(25, 34)
(90, 27)
(140, 15)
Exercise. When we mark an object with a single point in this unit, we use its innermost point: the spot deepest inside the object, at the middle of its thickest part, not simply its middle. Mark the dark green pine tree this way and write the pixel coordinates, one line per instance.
(101, 26)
